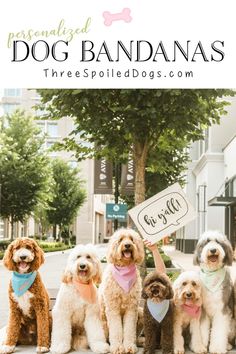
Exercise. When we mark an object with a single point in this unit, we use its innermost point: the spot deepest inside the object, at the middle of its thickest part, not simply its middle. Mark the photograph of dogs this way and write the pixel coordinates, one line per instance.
(29, 320)
(76, 314)
(187, 312)
(120, 290)
(158, 313)
(213, 254)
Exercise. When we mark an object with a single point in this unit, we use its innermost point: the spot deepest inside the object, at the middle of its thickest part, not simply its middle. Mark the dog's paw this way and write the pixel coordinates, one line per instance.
(229, 347)
(130, 348)
(198, 349)
(100, 347)
(179, 351)
(6, 349)
(60, 348)
(42, 350)
(117, 349)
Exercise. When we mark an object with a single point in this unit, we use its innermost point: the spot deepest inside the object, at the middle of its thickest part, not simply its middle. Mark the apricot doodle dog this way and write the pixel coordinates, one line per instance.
(76, 314)
(187, 312)
(120, 290)
(29, 321)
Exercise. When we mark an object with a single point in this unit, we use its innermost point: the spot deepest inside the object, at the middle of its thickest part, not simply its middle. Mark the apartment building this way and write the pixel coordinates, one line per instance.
(211, 182)
(90, 224)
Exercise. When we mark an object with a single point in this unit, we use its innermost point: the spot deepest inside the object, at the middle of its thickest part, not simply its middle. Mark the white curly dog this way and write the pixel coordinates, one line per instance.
(76, 314)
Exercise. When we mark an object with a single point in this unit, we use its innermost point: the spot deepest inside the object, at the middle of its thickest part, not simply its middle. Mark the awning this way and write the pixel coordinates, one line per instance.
(222, 201)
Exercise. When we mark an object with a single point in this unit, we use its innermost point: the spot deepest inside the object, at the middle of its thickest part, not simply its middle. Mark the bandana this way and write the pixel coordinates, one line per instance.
(88, 292)
(212, 279)
(22, 282)
(192, 310)
(125, 276)
(158, 310)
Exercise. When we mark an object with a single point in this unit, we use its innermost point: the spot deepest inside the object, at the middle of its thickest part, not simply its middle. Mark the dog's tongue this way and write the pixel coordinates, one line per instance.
(23, 264)
(189, 302)
(127, 254)
(83, 272)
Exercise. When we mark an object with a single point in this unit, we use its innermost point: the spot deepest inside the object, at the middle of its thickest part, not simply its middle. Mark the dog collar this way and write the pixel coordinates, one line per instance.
(192, 310)
(212, 279)
(22, 282)
(125, 276)
(88, 292)
(158, 310)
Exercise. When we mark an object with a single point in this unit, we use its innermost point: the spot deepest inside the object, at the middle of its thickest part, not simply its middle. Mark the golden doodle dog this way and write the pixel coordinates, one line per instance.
(120, 290)
(187, 312)
(76, 314)
(29, 320)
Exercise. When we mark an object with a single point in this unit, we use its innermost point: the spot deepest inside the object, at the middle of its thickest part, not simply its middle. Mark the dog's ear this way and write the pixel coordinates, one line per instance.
(67, 277)
(197, 254)
(111, 250)
(8, 258)
(38, 256)
(170, 292)
(98, 276)
(139, 257)
(144, 294)
(228, 259)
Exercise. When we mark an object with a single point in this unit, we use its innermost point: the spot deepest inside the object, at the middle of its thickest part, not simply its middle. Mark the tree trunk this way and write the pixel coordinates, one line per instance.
(140, 159)
(12, 228)
(54, 232)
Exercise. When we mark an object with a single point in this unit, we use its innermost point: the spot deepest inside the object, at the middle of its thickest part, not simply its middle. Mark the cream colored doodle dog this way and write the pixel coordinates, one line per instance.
(76, 315)
(120, 290)
(187, 312)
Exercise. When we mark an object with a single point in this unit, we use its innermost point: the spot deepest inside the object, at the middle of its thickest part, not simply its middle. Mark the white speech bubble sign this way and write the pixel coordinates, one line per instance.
(163, 214)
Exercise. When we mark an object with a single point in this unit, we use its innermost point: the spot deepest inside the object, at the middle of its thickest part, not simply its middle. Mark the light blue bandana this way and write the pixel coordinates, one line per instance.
(212, 279)
(22, 282)
(158, 310)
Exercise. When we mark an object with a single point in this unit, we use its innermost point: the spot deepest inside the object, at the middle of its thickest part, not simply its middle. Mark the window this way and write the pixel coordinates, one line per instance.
(9, 108)
(52, 130)
(12, 92)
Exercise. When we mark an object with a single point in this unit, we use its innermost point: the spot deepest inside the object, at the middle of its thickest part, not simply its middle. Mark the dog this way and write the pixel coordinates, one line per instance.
(187, 312)
(213, 253)
(76, 314)
(158, 313)
(29, 319)
(120, 290)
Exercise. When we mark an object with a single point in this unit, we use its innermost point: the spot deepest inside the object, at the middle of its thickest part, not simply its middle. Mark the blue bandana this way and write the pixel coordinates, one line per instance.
(158, 310)
(22, 282)
(213, 279)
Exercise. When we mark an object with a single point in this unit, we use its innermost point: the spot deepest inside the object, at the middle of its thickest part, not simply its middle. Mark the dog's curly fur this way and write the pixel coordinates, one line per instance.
(120, 309)
(76, 321)
(187, 288)
(157, 287)
(29, 319)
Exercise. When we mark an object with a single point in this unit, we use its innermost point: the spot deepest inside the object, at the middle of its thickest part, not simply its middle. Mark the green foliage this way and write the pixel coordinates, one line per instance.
(68, 194)
(24, 175)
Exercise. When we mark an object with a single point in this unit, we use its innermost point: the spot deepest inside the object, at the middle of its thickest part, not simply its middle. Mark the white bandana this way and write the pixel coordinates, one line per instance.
(158, 310)
(212, 279)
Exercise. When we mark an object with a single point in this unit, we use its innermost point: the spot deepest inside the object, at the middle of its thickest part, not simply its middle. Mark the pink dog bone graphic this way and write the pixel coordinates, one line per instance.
(124, 15)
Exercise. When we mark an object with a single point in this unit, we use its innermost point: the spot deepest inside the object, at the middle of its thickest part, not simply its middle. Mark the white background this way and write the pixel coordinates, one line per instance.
(153, 20)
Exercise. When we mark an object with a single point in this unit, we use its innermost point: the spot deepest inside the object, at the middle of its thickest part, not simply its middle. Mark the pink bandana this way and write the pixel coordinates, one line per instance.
(125, 276)
(192, 310)
(88, 292)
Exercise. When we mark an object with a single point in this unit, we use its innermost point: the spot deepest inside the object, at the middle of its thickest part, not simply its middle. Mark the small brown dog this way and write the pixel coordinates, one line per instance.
(158, 313)
(29, 320)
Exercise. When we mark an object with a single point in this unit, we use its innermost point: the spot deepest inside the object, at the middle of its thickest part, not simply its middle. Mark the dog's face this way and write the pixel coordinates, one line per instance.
(125, 248)
(157, 287)
(187, 289)
(213, 251)
(83, 265)
(23, 255)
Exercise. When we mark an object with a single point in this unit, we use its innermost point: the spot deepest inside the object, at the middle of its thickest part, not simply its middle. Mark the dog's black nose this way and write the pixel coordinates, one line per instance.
(189, 294)
(213, 250)
(127, 245)
(22, 258)
(82, 266)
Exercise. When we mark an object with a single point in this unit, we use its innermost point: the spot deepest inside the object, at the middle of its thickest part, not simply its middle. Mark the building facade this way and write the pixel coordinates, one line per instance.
(90, 224)
(211, 183)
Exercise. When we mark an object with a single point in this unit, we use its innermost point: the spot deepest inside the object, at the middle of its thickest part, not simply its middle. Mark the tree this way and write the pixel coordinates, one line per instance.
(68, 195)
(119, 121)
(24, 174)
